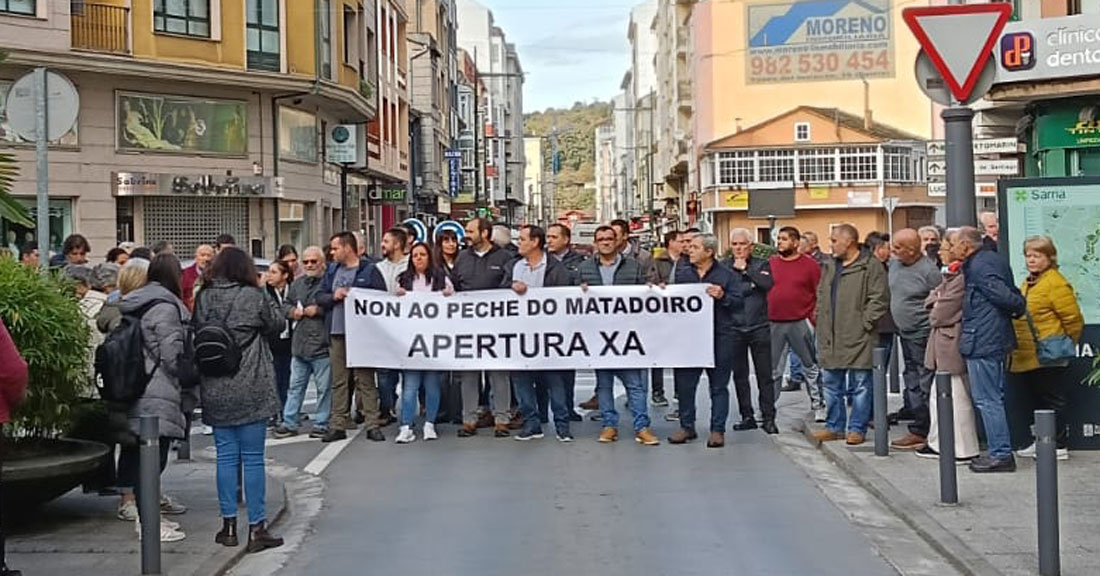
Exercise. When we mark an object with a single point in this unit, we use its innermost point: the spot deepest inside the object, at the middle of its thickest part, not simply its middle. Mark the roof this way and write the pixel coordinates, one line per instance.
(854, 122)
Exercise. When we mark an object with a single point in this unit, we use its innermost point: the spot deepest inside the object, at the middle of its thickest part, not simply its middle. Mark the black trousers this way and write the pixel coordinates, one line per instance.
(1043, 387)
(757, 342)
(129, 465)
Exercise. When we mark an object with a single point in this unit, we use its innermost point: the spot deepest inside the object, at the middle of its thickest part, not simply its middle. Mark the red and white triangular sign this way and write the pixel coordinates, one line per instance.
(958, 39)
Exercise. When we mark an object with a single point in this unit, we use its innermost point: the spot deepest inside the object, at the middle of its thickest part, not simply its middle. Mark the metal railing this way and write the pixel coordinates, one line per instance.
(101, 28)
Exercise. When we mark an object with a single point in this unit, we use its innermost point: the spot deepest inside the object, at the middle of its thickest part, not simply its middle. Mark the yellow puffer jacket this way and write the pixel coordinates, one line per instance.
(1053, 308)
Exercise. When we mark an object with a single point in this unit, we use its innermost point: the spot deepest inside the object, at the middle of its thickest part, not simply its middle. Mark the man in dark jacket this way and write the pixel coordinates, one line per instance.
(483, 266)
(662, 270)
(851, 298)
(559, 244)
(309, 347)
(348, 271)
(752, 333)
(610, 268)
(987, 337)
(722, 286)
(537, 269)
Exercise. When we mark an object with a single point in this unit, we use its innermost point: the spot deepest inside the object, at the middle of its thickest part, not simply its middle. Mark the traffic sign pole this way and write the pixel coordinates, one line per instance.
(42, 148)
(962, 204)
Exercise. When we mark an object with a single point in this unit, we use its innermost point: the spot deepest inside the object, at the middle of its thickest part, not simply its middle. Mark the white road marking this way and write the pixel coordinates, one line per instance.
(318, 464)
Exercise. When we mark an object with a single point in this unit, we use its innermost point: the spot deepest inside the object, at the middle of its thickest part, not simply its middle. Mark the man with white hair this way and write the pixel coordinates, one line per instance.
(751, 332)
(991, 229)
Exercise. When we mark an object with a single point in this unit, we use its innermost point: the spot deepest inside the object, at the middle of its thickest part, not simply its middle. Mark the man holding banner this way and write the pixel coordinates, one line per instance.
(536, 269)
(483, 266)
(722, 287)
(559, 245)
(612, 268)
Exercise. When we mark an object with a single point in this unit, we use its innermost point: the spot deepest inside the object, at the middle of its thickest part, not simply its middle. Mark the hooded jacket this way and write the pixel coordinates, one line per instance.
(391, 270)
(162, 329)
(252, 317)
(846, 327)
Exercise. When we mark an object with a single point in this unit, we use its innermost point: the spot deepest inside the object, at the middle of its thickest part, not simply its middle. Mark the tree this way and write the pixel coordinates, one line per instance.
(576, 133)
(9, 208)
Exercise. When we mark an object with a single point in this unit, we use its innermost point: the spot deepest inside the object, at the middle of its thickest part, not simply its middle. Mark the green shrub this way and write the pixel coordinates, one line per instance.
(47, 325)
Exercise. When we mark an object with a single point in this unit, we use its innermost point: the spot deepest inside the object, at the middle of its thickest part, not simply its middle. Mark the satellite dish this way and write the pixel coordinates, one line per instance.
(62, 106)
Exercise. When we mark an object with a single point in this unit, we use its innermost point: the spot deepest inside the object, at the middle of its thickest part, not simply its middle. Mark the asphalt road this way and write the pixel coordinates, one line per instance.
(485, 506)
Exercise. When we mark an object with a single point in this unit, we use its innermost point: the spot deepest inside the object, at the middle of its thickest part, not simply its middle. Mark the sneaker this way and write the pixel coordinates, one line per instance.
(318, 432)
(167, 532)
(673, 416)
(207, 431)
(929, 453)
(1028, 452)
(659, 400)
(987, 464)
(406, 435)
(171, 507)
(284, 432)
(127, 511)
(565, 438)
(429, 432)
(529, 435)
(820, 415)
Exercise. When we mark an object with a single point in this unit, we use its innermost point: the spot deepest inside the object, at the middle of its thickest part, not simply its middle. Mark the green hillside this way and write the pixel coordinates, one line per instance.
(577, 143)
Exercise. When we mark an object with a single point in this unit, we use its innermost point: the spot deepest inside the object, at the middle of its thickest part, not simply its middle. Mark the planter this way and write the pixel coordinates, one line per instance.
(37, 470)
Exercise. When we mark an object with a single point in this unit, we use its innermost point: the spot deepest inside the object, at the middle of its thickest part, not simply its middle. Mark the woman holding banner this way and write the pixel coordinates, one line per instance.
(422, 275)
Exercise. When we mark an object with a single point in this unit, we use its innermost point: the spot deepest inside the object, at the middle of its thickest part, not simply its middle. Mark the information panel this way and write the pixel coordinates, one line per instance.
(817, 40)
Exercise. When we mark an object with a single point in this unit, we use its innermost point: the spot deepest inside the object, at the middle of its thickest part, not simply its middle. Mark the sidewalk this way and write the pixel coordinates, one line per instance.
(993, 529)
(79, 533)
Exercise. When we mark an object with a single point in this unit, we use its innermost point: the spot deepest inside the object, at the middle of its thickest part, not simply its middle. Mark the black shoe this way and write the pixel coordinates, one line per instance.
(283, 432)
(318, 432)
(659, 399)
(596, 417)
(894, 417)
(984, 464)
(5, 571)
(375, 435)
(746, 424)
(259, 539)
(359, 418)
(791, 386)
(228, 534)
(574, 417)
(769, 427)
(333, 435)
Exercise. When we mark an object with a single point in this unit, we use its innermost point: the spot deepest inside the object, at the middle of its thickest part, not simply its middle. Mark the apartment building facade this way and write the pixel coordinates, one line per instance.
(674, 174)
(196, 118)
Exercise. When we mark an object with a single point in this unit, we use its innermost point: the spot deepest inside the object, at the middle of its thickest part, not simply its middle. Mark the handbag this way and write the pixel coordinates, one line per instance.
(1052, 351)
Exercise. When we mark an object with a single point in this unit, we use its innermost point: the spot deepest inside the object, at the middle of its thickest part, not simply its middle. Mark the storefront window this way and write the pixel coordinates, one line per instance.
(297, 135)
(294, 224)
(15, 237)
(7, 135)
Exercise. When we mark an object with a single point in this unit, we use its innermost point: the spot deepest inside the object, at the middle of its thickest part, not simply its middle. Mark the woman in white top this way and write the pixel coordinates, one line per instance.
(422, 275)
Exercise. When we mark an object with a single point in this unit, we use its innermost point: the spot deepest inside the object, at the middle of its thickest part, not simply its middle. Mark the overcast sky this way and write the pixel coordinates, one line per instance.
(571, 50)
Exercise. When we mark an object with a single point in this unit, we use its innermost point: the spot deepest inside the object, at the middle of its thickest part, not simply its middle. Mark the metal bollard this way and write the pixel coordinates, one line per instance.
(882, 429)
(893, 372)
(1046, 488)
(149, 497)
(945, 412)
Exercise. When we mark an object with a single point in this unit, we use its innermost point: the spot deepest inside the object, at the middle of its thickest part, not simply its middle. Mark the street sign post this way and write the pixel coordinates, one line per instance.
(959, 39)
(938, 148)
(1004, 167)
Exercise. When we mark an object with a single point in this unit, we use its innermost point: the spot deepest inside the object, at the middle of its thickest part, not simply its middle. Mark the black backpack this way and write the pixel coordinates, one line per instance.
(120, 360)
(215, 350)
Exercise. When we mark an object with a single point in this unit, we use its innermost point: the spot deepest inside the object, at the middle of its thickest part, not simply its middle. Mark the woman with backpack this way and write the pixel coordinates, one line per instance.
(278, 278)
(422, 275)
(163, 317)
(233, 321)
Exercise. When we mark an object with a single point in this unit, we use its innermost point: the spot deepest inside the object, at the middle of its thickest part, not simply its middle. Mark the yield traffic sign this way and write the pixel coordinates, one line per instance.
(958, 39)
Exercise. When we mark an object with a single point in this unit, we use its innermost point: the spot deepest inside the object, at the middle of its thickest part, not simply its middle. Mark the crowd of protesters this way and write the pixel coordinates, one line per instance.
(948, 297)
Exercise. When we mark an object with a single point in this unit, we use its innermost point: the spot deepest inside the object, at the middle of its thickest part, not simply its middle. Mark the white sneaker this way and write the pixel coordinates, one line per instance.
(1028, 452)
(207, 431)
(406, 435)
(429, 431)
(1062, 454)
(127, 511)
(169, 506)
(820, 415)
(168, 533)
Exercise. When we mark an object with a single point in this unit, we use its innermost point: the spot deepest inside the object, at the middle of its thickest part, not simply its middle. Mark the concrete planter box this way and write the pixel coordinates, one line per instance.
(37, 470)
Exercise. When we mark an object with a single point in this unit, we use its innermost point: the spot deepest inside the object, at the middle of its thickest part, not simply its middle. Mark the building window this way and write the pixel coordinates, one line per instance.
(802, 132)
(735, 168)
(188, 17)
(351, 36)
(858, 164)
(14, 237)
(297, 135)
(899, 165)
(294, 224)
(263, 35)
(326, 39)
(817, 165)
(776, 165)
(26, 7)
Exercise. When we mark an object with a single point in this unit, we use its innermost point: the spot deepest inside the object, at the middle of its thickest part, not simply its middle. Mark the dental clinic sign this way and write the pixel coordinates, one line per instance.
(818, 40)
(1049, 48)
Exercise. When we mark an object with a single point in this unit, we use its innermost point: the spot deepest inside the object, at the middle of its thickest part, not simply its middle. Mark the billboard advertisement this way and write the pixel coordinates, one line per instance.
(819, 40)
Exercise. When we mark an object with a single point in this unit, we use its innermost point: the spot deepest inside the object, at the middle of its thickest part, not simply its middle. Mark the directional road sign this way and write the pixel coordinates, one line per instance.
(959, 39)
(1005, 167)
(938, 148)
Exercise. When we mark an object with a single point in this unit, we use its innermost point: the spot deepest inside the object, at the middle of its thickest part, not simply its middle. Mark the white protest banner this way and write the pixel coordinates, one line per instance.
(545, 329)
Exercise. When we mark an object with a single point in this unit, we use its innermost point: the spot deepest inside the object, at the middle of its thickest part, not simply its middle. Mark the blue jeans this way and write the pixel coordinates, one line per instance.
(282, 377)
(853, 382)
(387, 389)
(300, 371)
(237, 446)
(412, 380)
(634, 381)
(796, 369)
(987, 386)
(687, 382)
(527, 399)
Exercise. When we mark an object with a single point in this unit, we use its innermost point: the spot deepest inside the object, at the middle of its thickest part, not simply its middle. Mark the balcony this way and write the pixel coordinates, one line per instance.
(683, 94)
(101, 28)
